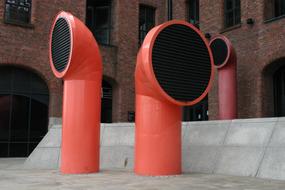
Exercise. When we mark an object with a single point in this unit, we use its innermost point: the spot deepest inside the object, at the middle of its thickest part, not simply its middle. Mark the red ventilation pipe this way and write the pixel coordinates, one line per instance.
(225, 61)
(75, 57)
(174, 68)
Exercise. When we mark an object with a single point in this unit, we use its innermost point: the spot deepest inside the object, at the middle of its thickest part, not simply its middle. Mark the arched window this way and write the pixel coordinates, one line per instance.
(24, 100)
(279, 92)
(231, 12)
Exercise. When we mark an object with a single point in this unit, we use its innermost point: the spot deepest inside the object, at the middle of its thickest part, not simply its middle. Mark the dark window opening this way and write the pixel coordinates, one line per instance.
(193, 12)
(106, 98)
(131, 116)
(279, 92)
(18, 11)
(279, 8)
(146, 21)
(232, 12)
(198, 112)
(273, 9)
(98, 19)
(24, 100)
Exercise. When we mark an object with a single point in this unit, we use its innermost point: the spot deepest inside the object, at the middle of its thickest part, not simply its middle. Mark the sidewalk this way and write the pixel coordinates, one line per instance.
(13, 177)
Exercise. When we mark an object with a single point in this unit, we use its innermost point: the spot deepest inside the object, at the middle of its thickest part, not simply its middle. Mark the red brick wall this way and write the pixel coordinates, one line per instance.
(28, 47)
(119, 68)
(257, 46)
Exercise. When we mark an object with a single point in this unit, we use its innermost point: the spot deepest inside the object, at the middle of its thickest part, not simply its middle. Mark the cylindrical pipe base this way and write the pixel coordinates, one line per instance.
(81, 126)
(227, 89)
(157, 137)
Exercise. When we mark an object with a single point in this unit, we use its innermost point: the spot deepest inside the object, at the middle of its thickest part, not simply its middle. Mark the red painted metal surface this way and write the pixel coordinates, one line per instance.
(227, 82)
(158, 116)
(81, 101)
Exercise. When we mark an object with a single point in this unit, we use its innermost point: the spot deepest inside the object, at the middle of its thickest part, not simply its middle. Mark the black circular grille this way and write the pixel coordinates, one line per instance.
(220, 51)
(181, 62)
(60, 44)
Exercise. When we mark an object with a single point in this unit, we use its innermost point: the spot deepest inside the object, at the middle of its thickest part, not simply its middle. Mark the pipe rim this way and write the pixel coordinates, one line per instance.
(229, 47)
(70, 21)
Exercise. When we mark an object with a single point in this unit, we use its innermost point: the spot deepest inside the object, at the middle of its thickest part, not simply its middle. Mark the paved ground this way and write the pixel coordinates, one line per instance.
(13, 177)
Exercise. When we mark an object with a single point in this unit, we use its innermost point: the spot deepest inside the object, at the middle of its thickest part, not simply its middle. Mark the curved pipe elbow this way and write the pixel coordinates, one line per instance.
(85, 62)
(146, 82)
(143, 84)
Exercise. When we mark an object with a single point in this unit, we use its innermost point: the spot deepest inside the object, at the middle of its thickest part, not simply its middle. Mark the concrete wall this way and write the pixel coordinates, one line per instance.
(248, 147)
(239, 147)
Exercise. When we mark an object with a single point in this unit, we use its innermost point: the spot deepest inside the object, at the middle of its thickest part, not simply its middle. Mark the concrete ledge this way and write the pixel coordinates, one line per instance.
(43, 158)
(210, 134)
(115, 135)
(273, 164)
(244, 147)
(241, 161)
(249, 134)
(52, 139)
(54, 121)
(200, 159)
(256, 120)
(119, 157)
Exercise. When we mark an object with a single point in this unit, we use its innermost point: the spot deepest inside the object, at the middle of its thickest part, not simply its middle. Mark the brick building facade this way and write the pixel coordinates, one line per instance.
(259, 47)
(256, 29)
(260, 52)
(26, 45)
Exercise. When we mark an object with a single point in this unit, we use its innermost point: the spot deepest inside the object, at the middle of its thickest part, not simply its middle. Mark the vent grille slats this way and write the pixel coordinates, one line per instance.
(61, 44)
(220, 51)
(183, 54)
(181, 62)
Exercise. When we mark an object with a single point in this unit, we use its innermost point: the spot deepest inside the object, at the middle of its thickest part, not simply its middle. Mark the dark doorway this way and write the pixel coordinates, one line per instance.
(279, 92)
(24, 100)
(106, 110)
(198, 112)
